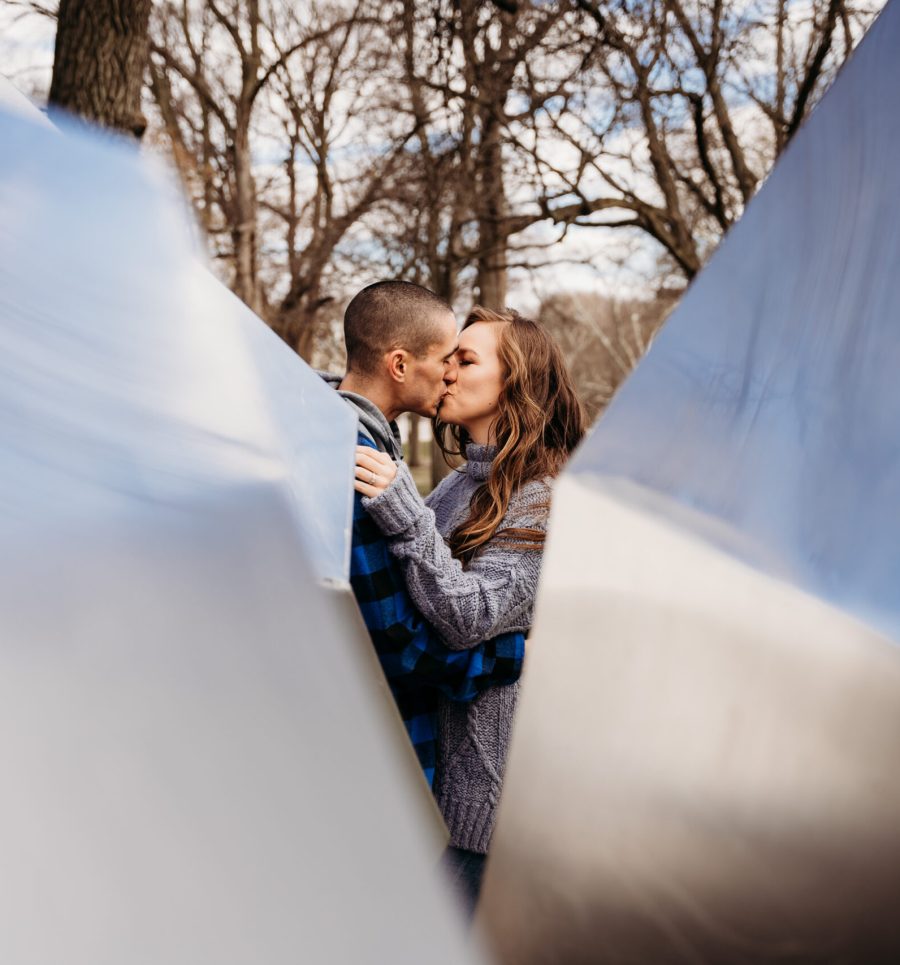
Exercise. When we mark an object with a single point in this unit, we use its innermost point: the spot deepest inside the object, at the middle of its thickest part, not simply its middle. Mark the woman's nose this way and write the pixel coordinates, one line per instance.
(451, 369)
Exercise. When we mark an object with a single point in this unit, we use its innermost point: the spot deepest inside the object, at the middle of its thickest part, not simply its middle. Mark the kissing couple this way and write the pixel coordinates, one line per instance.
(446, 585)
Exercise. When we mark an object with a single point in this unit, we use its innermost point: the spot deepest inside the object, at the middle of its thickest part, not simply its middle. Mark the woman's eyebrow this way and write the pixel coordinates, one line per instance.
(470, 351)
(451, 353)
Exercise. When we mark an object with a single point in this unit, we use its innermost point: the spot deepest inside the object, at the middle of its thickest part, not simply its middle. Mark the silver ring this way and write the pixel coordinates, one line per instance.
(371, 478)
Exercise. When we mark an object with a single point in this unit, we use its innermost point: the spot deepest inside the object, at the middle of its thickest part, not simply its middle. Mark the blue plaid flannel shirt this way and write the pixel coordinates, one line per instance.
(418, 665)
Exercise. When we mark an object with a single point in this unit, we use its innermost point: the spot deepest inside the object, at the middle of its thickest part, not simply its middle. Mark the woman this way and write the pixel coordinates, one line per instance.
(471, 553)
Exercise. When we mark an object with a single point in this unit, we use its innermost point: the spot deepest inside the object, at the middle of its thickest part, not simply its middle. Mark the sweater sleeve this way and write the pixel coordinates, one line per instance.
(494, 594)
(412, 654)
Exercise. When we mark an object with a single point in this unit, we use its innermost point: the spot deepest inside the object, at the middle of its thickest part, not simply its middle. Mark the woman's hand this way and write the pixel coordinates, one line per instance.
(375, 471)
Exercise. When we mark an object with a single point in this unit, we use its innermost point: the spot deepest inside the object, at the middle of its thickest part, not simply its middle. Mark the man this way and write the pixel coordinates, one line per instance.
(401, 356)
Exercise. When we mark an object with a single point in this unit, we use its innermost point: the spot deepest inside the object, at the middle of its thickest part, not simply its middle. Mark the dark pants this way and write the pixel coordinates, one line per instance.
(464, 869)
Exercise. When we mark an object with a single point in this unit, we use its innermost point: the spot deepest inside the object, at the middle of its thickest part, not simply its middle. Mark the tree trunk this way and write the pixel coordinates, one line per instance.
(415, 456)
(491, 280)
(780, 20)
(492, 211)
(102, 47)
(304, 341)
(244, 231)
(439, 467)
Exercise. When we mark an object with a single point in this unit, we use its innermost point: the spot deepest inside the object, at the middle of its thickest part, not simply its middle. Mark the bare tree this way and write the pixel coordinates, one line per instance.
(680, 144)
(465, 64)
(291, 84)
(602, 339)
(325, 144)
(208, 69)
(329, 112)
(658, 119)
(99, 61)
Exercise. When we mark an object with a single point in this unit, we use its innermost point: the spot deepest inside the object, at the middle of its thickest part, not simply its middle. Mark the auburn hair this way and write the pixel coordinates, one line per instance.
(539, 422)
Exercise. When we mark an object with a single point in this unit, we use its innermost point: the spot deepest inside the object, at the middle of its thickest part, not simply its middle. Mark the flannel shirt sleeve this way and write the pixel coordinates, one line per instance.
(411, 652)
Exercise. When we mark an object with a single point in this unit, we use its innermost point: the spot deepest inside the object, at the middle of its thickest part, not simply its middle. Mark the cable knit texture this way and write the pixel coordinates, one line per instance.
(494, 594)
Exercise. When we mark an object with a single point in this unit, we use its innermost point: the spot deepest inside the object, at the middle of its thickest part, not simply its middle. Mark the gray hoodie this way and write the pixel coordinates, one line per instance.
(372, 421)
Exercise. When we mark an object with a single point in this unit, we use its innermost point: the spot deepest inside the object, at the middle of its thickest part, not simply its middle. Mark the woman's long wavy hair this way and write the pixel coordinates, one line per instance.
(539, 423)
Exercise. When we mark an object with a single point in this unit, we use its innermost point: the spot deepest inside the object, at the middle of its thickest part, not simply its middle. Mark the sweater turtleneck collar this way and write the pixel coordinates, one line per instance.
(479, 460)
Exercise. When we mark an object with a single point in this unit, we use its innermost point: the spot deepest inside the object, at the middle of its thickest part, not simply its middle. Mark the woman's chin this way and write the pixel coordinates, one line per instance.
(445, 414)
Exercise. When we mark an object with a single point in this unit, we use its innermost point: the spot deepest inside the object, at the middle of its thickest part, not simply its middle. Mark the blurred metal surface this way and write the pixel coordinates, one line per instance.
(13, 101)
(703, 766)
(770, 401)
(113, 329)
(199, 763)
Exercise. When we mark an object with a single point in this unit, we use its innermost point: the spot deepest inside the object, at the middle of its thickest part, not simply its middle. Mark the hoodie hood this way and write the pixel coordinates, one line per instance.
(372, 421)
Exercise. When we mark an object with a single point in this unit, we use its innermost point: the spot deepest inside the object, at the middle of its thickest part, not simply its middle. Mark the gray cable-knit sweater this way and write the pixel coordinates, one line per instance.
(494, 594)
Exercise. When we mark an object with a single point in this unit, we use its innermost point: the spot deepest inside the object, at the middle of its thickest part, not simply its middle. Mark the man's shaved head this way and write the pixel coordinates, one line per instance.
(390, 315)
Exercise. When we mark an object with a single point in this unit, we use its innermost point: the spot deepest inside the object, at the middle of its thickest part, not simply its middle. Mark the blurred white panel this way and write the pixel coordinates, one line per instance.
(770, 400)
(196, 765)
(113, 329)
(199, 765)
(13, 101)
(703, 766)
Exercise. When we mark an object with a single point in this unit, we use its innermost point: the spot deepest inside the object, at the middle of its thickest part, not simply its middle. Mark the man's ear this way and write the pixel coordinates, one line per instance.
(397, 361)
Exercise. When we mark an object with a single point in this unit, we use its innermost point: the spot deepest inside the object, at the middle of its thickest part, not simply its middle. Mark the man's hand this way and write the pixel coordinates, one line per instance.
(375, 471)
